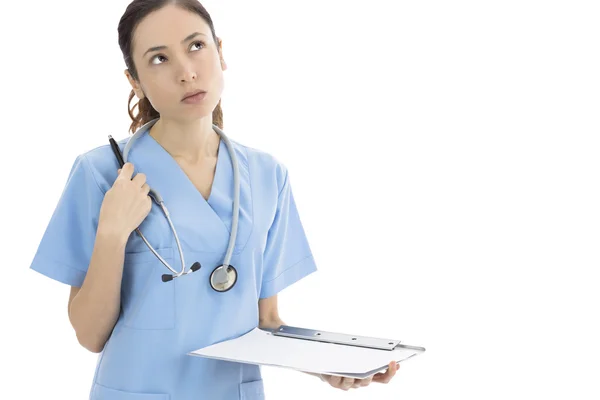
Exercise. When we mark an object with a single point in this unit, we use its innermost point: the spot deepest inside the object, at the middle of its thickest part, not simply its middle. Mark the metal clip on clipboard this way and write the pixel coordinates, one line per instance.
(337, 338)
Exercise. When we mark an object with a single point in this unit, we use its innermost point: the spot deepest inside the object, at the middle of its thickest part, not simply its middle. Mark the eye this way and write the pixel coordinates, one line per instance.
(198, 42)
(160, 55)
(156, 58)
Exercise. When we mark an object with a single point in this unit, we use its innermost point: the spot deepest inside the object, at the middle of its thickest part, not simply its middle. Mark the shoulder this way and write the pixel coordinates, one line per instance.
(264, 164)
(100, 164)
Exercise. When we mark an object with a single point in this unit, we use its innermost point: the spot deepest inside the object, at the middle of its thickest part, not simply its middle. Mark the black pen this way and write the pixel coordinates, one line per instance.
(116, 150)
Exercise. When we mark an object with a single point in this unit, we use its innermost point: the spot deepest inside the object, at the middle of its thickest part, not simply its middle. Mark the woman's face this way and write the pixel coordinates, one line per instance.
(186, 64)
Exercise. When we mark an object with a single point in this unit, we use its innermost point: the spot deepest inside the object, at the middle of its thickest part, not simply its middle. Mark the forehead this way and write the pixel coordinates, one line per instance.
(167, 27)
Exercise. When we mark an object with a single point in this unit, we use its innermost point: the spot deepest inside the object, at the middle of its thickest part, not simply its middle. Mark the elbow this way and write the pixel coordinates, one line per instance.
(90, 344)
(95, 349)
(88, 339)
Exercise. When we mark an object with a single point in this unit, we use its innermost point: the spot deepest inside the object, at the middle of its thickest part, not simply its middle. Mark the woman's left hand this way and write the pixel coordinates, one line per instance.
(345, 383)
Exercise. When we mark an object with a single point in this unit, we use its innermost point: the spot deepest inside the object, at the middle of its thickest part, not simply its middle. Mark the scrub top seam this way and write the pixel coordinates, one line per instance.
(46, 256)
(288, 268)
(285, 179)
(91, 171)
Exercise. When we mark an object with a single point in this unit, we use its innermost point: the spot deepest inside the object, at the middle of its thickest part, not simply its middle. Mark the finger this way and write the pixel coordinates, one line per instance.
(386, 376)
(347, 383)
(392, 368)
(378, 377)
(126, 171)
(366, 381)
(333, 380)
(381, 378)
(139, 179)
(145, 188)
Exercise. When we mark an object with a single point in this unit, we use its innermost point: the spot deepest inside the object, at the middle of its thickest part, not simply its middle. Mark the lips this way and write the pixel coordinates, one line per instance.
(190, 94)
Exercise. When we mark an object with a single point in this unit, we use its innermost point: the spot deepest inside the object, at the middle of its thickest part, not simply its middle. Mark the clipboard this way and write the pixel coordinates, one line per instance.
(312, 350)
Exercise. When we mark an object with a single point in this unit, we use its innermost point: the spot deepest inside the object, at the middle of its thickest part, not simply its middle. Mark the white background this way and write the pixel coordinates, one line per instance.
(444, 158)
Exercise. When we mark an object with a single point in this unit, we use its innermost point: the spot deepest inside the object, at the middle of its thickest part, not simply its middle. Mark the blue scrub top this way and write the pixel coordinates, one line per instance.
(146, 355)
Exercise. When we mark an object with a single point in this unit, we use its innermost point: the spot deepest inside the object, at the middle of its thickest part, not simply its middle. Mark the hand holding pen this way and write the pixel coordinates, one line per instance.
(126, 204)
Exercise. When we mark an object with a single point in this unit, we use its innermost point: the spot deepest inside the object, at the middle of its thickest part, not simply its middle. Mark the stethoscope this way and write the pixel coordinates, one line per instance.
(224, 276)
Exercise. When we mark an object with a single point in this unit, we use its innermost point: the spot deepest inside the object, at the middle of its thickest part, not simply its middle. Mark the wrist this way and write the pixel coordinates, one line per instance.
(115, 237)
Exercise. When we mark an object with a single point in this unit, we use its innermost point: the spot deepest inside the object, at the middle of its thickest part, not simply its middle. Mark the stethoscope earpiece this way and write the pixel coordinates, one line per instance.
(195, 266)
(169, 277)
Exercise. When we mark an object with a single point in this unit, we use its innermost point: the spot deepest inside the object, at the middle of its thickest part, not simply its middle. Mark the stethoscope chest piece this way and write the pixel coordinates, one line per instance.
(222, 283)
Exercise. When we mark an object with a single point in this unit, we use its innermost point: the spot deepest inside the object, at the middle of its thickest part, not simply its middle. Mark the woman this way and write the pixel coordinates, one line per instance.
(119, 306)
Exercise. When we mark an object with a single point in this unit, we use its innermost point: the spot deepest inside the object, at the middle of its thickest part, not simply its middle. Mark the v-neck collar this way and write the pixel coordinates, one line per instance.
(201, 223)
(221, 153)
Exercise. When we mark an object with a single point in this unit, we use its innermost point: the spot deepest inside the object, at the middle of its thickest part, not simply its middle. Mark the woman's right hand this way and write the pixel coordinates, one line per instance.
(126, 204)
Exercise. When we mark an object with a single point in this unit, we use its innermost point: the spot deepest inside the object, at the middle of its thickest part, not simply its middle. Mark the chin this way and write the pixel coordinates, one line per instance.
(195, 113)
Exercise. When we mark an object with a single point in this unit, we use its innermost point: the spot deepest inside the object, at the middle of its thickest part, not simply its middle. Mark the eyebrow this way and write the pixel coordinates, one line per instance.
(156, 48)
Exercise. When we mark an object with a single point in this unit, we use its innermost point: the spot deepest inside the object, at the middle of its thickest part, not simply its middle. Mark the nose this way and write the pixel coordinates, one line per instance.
(187, 72)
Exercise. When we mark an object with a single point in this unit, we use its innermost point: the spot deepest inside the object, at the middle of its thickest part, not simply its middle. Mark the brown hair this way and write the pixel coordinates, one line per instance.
(135, 12)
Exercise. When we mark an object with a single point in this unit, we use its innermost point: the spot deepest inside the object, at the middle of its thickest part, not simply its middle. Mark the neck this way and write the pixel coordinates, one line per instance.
(190, 141)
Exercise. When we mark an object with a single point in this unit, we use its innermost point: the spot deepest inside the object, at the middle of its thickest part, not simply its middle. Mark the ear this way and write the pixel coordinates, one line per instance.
(134, 85)
(220, 47)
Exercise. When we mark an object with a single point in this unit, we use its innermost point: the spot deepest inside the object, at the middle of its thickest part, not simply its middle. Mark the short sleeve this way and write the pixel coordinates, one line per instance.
(287, 257)
(66, 246)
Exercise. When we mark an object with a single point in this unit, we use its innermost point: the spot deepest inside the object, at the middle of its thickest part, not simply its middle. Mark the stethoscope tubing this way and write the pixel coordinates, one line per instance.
(155, 195)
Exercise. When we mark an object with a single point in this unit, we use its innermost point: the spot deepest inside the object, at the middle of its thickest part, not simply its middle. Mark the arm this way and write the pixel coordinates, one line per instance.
(94, 308)
(268, 316)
